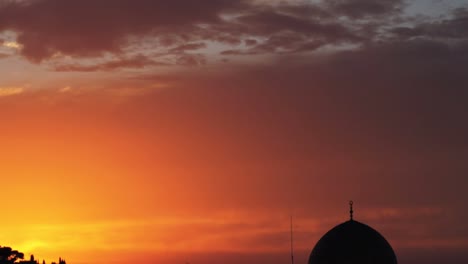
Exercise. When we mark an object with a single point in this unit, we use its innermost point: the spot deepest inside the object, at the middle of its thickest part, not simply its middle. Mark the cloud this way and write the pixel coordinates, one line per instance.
(12, 44)
(450, 28)
(177, 29)
(9, 91)
(138, 61)
(365, 8)
(272, 21)
(45, 28)
(191, 60)
(90, 28)
(187, 47)
(65, 89)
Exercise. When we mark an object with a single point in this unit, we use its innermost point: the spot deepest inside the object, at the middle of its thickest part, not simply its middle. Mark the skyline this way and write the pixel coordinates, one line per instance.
(190, 131)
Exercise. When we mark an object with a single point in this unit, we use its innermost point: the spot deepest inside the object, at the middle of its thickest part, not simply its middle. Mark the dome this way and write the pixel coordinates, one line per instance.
(352, 242)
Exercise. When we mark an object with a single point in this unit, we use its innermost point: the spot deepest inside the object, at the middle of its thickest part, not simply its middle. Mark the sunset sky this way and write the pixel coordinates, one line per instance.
(147, 131)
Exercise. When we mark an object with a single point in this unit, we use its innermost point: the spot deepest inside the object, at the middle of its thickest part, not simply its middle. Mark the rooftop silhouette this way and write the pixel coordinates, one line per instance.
(352, 242)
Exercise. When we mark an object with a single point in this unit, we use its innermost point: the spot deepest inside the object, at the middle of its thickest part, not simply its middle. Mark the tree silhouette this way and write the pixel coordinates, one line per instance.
(8, 255)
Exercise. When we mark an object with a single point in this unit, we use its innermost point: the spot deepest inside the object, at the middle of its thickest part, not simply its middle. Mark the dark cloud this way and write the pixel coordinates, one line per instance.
(87, 28)
(187, 47)
(278, 44)
(191, 60)
(365, 8)
(270, 21)
(250, 42)
(92, 29)
(133, 62)
(453, 28)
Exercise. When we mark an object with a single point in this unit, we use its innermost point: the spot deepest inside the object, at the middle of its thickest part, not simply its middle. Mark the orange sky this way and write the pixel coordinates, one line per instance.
(97, 180)
(194, 134)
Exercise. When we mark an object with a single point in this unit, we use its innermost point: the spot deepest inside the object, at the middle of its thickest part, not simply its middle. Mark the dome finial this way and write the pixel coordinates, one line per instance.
(351, 209)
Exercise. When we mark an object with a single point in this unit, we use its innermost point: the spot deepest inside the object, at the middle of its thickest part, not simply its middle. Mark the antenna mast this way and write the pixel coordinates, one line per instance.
(292, 249)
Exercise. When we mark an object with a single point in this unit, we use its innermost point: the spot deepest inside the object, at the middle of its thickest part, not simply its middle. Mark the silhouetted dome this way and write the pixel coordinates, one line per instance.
(352, 242)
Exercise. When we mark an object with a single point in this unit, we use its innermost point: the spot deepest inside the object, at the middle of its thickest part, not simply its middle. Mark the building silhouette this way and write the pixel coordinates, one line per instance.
(352, 242)
(10, 256)
(30, 261)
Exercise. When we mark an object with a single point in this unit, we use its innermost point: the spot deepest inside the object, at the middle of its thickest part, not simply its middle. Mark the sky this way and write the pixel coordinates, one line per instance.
(190, 131)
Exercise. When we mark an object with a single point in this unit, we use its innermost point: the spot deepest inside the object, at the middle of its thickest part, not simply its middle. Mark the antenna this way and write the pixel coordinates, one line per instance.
(351, 210)
(292, 249)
